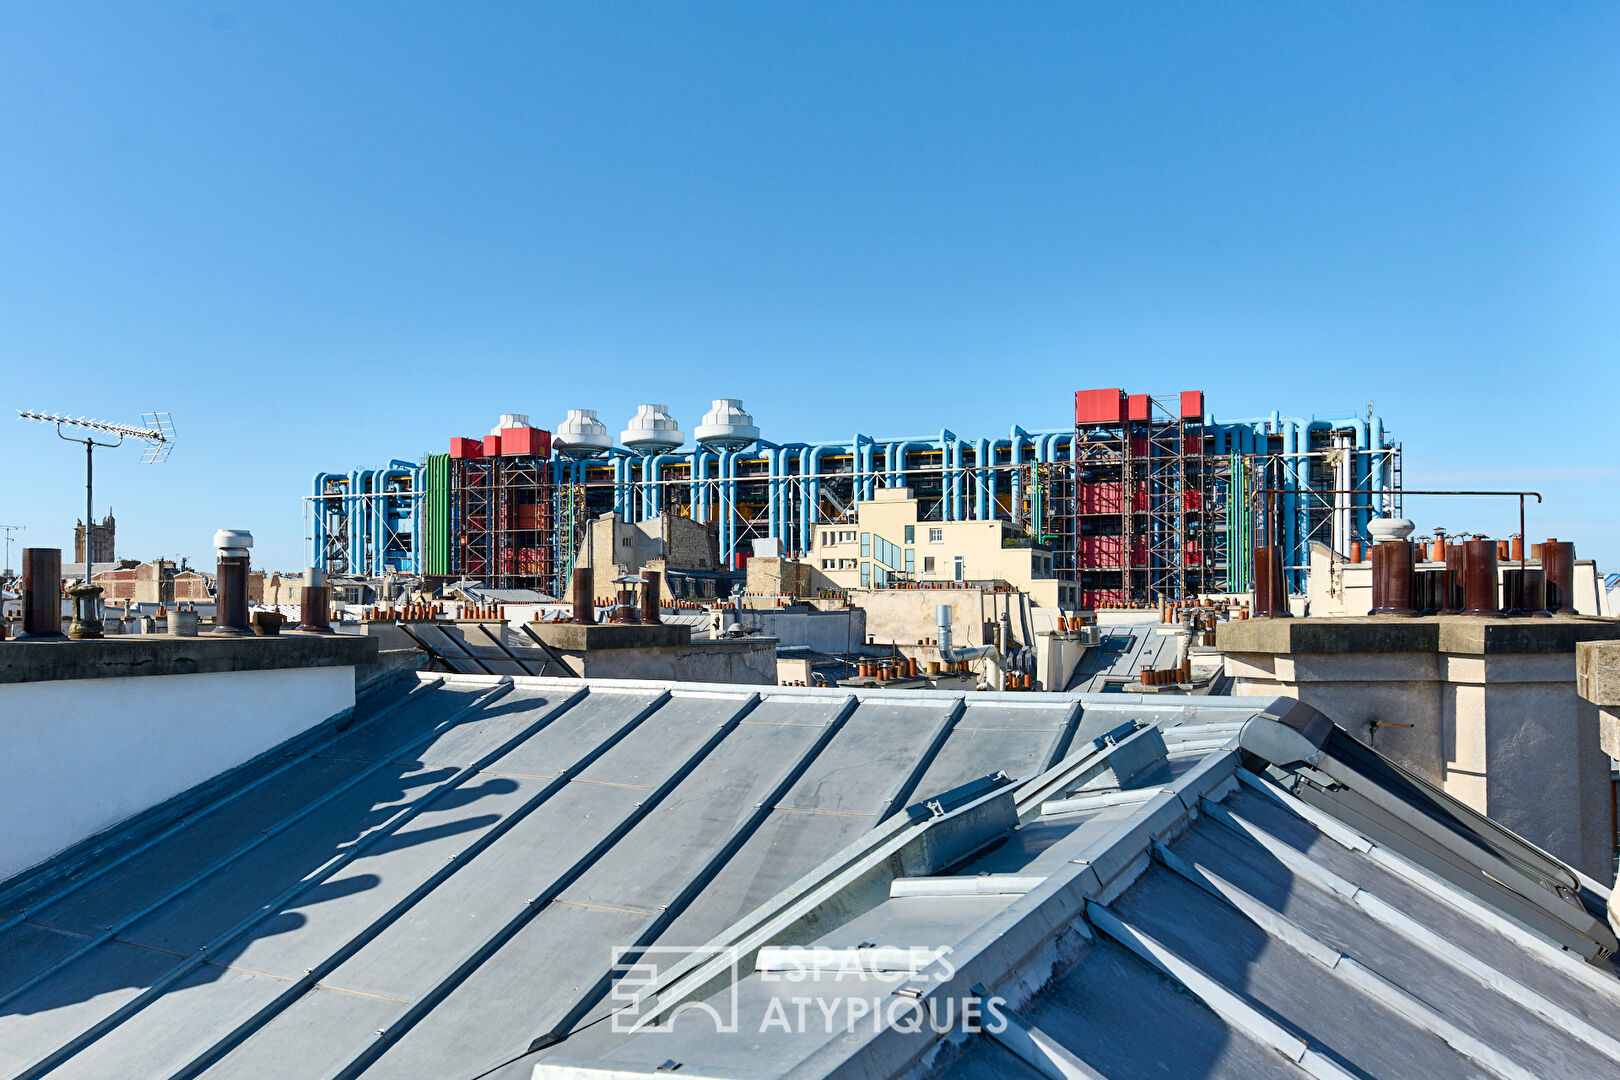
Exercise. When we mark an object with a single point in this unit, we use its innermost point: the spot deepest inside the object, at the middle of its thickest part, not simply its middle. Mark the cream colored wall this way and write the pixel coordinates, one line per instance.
(977, 543)
(1504, 733)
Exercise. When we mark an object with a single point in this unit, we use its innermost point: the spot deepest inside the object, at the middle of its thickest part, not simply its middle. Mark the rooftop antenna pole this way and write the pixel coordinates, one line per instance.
(158, 435)
(10, 529)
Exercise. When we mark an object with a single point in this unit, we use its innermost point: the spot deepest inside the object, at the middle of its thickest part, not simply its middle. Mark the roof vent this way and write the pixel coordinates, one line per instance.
(581, 435)
(510, 420)
(727, 426)
(652, 431)
(1384, 528)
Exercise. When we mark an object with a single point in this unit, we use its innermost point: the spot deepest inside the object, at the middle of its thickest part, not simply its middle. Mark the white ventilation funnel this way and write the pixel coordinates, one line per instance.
(727, 426)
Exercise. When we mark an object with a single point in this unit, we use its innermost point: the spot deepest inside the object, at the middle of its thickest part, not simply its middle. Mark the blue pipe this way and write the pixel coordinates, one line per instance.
(317, 538)
(359, 483)
(981, 478)
(813, 456)
(1016, 437)
(897, 460)
(805, 517)
(777, 491)
(859, 448)
(959, 483)
(652, 498)
(383, 509)
(703, 498)
(1376, 466)
(728, 470)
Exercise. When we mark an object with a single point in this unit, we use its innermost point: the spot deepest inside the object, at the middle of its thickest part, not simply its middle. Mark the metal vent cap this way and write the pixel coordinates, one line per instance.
(510, 420)
(727, 426)
(652, 430)
(581, 435)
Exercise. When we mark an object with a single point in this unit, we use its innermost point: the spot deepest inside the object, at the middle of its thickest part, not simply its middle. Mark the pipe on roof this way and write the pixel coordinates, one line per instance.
(1016, 438)
(382, 509)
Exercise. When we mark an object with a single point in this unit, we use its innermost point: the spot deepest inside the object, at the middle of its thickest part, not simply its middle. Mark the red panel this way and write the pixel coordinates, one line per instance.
(466, 448)
(1140, 409)
(1099, 406)
(1100, 550)
(1101, 498)
(1108, 498)
(492, 446)
(525, 442)
(1192, 405)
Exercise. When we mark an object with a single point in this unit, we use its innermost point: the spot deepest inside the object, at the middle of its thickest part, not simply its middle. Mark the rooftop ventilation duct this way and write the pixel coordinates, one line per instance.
(581, 435)
(727, 426)
(950, 654)
(510, 420)
(652, 431)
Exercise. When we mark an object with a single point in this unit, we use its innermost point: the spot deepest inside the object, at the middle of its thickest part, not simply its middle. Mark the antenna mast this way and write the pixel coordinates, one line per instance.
(158, 435)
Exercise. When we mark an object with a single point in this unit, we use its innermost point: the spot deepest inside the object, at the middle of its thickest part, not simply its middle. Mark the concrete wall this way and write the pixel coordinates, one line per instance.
(834, 632)
(1503, 731)
(793, 672)
(82, 755)
(785, 577)
(751, 661)
(902, 616)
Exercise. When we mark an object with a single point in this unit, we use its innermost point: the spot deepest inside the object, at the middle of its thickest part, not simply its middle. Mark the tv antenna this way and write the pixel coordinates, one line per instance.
(158, 435)
(10, 529)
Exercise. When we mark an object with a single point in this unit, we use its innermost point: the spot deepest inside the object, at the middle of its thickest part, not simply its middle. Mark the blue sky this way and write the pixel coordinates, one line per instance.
(325, 235)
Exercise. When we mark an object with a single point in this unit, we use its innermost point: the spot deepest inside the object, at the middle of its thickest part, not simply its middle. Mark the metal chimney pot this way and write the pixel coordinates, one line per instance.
(230, 594)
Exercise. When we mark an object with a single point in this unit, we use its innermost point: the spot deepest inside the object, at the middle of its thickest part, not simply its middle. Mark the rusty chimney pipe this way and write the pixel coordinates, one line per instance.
(650, 597)
(230, 586)
(1392, 577)
(584, 596)
(1270, 594)
(1454, 580)
(1479, 577)
(1558, 574)
(42, 595)
(314, 604)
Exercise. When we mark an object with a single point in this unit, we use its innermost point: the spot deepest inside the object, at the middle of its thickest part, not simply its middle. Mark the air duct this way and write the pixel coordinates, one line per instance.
(652, 431)
(726, 426)
(581, 435)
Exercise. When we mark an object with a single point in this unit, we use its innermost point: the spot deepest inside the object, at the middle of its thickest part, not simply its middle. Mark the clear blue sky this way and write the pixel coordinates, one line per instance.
(324, 235)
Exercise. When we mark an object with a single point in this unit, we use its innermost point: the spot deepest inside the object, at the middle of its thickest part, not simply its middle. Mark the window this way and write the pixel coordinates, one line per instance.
(957, 569)
(826, 538)
(911, 534)
(866, 574)
(936, 536)
(829, 564)
(911, 561)
(866, 545)
(846, 537)
(928, 564)
(846, 564)
(625, 542)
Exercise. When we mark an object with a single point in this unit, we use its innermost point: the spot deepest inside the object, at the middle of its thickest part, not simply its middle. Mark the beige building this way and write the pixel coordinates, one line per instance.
(139, 583)
(685, 553)
(888, 545)
(280, 590)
